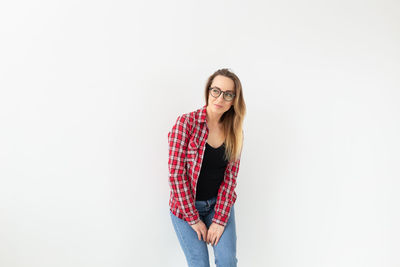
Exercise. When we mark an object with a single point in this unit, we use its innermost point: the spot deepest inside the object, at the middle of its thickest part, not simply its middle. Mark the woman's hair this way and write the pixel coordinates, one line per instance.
(232, 119)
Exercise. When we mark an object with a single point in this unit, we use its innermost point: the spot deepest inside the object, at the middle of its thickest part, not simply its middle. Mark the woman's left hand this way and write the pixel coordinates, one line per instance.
(214, 233)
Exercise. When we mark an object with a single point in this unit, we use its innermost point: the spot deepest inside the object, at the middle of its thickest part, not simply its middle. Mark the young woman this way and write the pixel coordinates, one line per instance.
(205, 146)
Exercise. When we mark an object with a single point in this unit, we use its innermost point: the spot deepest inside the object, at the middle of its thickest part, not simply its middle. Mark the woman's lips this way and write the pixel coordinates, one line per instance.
(218, 106)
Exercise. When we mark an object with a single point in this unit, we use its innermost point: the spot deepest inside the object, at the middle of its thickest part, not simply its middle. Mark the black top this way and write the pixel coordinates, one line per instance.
(211, 173)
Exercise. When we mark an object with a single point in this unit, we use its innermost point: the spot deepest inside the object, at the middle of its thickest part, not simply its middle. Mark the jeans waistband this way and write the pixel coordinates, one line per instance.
(206, 203)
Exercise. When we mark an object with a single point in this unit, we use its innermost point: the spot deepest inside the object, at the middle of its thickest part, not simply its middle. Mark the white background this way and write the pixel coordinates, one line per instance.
(90, 89)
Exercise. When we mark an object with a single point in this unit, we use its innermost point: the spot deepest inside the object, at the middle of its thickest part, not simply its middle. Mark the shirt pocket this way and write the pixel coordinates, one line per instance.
(192, 150)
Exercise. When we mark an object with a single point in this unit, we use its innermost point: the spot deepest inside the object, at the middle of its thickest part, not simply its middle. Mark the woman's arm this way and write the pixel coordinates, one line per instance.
(178, 139)
(226, 194)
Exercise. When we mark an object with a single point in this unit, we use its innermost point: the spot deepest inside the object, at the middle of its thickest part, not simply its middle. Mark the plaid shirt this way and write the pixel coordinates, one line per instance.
(187, 141)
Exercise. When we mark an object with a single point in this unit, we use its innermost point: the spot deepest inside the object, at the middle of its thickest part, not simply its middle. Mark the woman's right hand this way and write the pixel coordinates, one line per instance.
(201, 230)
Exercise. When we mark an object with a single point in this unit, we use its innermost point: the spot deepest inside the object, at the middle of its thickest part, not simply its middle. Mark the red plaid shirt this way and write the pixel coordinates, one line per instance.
(187, 141)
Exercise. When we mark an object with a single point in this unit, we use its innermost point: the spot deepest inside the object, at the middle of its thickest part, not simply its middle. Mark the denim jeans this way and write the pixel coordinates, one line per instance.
(195, 250)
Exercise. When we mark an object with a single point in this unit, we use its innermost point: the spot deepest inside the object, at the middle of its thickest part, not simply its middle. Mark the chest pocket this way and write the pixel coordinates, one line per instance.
(192, 150)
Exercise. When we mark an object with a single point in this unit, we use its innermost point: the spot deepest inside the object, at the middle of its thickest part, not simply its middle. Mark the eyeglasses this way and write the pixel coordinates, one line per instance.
(216, 92)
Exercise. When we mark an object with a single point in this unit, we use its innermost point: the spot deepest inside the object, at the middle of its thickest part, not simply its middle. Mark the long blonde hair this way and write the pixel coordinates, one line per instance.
(232, 119)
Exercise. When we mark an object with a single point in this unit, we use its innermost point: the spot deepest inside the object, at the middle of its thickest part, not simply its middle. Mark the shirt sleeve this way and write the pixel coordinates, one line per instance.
(226, 194)
(178, 139)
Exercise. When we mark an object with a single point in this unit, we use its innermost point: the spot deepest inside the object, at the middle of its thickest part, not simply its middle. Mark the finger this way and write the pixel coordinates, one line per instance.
(213, 240)
(208, 237)
(198, 235)
(204, 235)
(211, 237)
(216, 241)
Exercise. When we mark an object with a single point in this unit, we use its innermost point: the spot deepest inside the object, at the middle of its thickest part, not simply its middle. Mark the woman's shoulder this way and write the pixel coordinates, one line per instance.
(190, 118)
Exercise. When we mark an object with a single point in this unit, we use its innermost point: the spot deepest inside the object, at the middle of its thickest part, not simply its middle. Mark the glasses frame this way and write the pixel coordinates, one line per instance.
(220, 92)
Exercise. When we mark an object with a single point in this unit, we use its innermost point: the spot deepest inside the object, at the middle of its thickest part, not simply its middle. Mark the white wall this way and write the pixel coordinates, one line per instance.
(90, 89)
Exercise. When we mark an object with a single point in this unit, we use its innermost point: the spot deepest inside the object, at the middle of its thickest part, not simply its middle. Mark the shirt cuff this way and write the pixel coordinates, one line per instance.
(192, 219)
(221, 220)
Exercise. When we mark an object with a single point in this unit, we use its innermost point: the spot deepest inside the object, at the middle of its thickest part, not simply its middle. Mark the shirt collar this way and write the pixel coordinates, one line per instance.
(202, 114)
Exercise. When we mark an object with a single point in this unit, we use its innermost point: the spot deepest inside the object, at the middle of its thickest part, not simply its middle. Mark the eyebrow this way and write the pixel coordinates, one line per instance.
(221, 89)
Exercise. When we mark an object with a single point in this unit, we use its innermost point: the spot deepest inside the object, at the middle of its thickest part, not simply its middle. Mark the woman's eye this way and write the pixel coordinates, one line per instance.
(229, 96)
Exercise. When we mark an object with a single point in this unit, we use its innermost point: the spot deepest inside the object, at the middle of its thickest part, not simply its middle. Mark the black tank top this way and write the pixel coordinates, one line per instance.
(211, 173)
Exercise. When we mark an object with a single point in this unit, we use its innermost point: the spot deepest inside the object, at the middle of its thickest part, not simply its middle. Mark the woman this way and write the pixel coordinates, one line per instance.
(205, 146)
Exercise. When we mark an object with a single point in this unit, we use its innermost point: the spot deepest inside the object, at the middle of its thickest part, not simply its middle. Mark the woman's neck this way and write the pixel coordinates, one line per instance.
(213, 119)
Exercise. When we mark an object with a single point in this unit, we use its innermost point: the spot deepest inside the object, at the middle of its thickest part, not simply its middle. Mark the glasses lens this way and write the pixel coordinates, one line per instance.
(215, 92)
(228, 96)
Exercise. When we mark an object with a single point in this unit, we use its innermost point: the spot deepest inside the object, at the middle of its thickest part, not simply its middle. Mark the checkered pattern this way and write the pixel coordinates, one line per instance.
(187, 140)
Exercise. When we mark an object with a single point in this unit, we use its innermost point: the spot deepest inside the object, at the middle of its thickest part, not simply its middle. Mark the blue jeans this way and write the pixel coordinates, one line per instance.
(195, 250)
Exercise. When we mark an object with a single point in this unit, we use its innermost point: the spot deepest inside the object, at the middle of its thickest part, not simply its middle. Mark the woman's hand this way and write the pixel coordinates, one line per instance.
(214, 233)
(201, 229)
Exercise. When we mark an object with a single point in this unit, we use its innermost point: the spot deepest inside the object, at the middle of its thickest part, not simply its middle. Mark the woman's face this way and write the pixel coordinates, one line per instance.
(219, 104)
